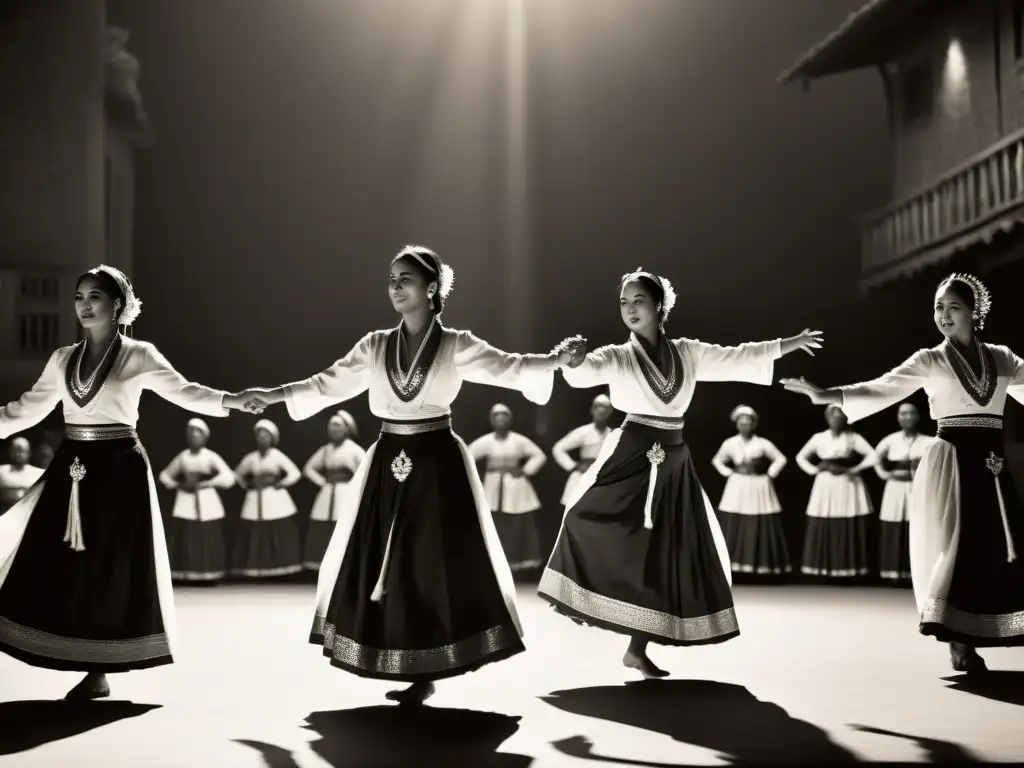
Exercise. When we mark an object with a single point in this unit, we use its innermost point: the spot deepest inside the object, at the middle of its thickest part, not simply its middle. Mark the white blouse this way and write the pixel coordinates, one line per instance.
(899, 447)
(19, 478)
(201, 462)
(587, 439)
(444, 360)
(933, 369)
(636, 385)
(133, 367)
(349, 455)
(738, 450)
(273, 462)
(512, 450)
(828, 446)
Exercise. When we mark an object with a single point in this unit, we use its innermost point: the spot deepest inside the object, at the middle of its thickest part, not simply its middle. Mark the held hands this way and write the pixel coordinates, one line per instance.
(252, 401)
(571, 351)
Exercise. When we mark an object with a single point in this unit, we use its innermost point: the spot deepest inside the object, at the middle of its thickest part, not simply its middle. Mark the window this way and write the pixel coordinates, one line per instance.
(1017, 18)
(38, 333)
(40, 288)
(918, 90)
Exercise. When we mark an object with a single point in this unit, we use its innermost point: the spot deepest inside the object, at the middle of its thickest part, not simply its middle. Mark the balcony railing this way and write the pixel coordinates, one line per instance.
(969, 198)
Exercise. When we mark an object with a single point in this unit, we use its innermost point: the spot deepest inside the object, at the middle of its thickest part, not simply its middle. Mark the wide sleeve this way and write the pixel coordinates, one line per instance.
(348, 377)
(159, 376)
(596, 369)
(36, 404)
(479, 362)
(571, 442)
(316, 462)
(535, 458)
(223, 477)
(752, 362)
(803, 458)
(291, 473)
(1015, 388)
(777, 458)
(718, 461)
(169, 477)
(870, 397)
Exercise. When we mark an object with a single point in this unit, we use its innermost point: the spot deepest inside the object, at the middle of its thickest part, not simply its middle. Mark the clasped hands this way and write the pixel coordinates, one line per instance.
(254, 400)
(571, 351)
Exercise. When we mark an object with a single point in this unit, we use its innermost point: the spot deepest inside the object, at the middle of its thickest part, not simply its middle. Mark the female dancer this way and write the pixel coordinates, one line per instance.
(966, 521)
(898, 456)
(414, 585)
(588, 440)
(84, 580)
(749, 511)
(836, 537)
(18, 476)
(511, 459)
(640, 551)
(331, 468)
(195, 534)
(267, 544)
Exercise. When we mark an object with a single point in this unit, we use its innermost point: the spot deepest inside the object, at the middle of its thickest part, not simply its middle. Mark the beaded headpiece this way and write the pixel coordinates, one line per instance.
(132, 304)
(669, 299)
(445, 274)
(982, 298)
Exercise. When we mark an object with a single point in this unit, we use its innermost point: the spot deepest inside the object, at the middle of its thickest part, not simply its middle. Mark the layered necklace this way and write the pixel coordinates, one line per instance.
(83, 388)
(979, 387)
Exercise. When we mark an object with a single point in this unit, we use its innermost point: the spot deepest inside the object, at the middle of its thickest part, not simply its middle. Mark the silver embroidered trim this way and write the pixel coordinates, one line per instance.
(52, 646)
(99, 432)
(415, 428)
(559, 587)
(655, 422)
(998, 625)
(986, 422)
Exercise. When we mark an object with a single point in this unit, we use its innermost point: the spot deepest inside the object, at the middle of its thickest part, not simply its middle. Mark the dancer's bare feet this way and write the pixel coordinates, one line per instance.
(643, 664)
(414, 695)
(93, 686)
(965, 658)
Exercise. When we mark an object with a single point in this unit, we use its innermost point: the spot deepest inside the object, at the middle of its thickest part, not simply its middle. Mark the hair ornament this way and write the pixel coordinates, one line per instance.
(982, 297)
(132, 304)
(668, 300)
(445, 281)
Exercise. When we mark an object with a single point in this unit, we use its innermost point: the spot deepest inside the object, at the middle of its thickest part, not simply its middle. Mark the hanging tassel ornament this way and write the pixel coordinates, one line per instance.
(995, 466)
(73, 531)
(656, 455)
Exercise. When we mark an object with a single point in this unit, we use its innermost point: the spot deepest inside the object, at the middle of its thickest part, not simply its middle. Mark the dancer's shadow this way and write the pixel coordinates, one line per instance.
(1006, 686)
(26, 725)
(722, 717)
(374, 737)
(935, 750)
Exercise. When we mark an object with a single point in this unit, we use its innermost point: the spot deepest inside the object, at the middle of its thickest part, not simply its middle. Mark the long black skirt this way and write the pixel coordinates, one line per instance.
(519, 539)
(666, 584)
(443, 612)
(836, 547)
(95, 610)
(318, 536)
(267, 548)
(196, 550)
(757, 543)
(985, 604)
(894, 550)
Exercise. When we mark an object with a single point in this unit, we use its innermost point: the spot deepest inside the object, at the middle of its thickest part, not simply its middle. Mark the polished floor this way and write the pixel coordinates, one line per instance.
(820, 675)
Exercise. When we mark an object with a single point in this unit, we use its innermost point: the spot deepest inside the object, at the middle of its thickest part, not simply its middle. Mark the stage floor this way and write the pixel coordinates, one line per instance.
(820, 675)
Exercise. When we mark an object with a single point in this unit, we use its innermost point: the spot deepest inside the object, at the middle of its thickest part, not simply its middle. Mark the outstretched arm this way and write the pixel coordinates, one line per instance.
(36, 404)
(159, 376)
(752, 362)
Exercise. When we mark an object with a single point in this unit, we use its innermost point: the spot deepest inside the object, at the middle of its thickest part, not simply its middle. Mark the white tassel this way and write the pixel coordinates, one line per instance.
(73, 530)
(655, 455)
(378, 590)
(1011, 553)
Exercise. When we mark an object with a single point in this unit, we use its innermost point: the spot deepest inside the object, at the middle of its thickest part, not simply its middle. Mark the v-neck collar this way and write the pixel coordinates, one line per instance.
(665, 388)
(983, 388)
(102, 374)
(408, 384)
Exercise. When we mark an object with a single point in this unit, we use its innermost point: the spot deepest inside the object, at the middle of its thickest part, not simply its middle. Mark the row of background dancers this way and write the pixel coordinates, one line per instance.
(414, 586)
(838, 537)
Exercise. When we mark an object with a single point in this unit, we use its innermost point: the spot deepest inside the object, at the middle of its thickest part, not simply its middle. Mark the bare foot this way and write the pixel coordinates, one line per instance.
(92, 686)
(414, 695)
(644, 664)
(964, 658)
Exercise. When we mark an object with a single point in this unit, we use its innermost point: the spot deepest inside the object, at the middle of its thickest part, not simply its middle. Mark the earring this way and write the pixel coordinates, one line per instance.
(430, 295)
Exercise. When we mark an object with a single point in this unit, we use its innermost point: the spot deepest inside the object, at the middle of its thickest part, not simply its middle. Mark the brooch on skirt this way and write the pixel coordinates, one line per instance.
(73, 530)
(994, 463)
(401, 467)
(656, 455)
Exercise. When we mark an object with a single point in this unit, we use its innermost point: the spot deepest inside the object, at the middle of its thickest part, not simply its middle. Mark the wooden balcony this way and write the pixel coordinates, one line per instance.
(967, 205)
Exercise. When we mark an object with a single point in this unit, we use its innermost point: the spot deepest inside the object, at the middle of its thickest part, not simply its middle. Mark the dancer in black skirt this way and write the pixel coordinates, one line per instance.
(966, 520)
(640, 551)
(414, 586)
(84, 579)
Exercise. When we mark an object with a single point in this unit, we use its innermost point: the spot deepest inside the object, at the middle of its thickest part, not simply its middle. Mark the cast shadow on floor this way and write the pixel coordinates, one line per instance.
(30, 724)
(1002, 685)
(375, 737)
(721, 717)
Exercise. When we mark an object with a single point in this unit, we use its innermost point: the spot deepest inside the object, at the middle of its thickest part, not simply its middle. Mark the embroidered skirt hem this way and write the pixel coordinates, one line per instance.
(757, 543)
(196, 549)
(836, 547)
(266, 548)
